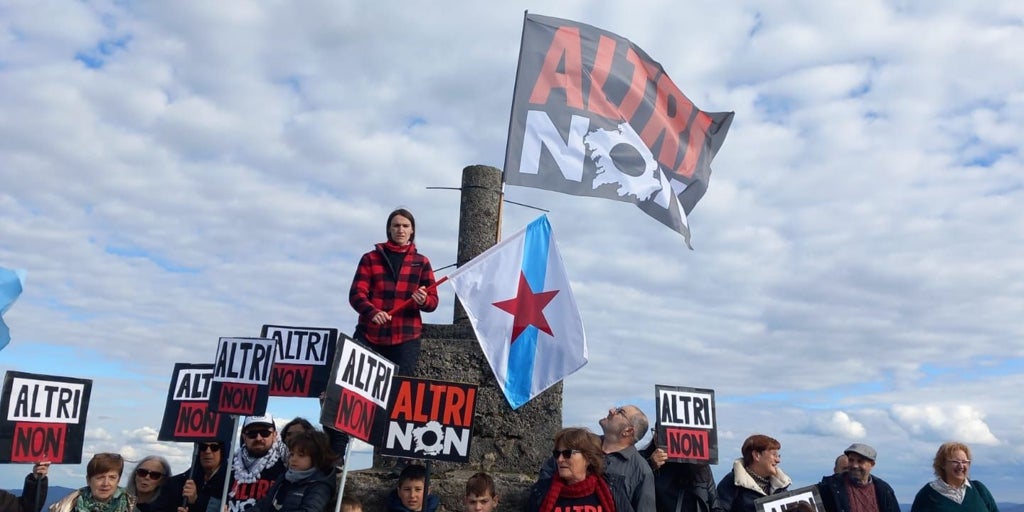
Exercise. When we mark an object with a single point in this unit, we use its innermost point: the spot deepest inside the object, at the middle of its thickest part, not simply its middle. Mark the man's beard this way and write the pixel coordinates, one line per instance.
(258, 452)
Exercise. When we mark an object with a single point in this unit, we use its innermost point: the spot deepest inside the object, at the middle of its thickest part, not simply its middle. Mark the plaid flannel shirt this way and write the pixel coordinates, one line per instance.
(376, 288)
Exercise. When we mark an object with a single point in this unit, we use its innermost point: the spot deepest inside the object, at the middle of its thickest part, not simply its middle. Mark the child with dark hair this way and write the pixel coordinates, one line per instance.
(480, 494)
(411, 494)
(351, 504)
(309, 483)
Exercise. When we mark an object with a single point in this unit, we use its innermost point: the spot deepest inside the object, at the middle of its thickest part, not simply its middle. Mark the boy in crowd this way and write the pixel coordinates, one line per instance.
(480, 494)
(411, 494)
(351, 504)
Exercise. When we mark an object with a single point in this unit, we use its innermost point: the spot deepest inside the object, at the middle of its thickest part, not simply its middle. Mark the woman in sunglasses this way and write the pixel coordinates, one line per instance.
(102, 494)
(953, 490)
(580, 480)
(147, 480)
(200, 487)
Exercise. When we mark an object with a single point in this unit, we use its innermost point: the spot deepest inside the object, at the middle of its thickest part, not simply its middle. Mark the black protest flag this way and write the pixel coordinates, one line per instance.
(594, 115)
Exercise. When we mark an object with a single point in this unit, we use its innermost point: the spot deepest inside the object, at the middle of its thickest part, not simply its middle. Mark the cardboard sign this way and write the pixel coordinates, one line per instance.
(43, 418)
(359, 387)
(302, 359)
(429, 419)
(804, 499)
(187, 414)
(241, 376)
(686, 427)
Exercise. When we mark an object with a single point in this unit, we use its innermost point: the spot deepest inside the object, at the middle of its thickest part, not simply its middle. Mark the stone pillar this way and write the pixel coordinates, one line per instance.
(509, 444)
(479, 216)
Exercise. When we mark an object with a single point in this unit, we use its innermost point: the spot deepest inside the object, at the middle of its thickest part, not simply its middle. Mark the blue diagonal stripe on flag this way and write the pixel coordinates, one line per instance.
(549, 343)
(522, 354)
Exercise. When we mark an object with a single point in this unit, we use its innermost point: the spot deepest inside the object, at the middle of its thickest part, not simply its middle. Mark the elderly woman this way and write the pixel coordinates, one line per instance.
(580, 479)
(754, 476)
(102, 494)
(953, 490)
(147, 481)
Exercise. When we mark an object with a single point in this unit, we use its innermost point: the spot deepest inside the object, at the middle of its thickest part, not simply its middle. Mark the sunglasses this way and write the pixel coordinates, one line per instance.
(213, 447)
(152, 475)
(253, 434)
(565, 454)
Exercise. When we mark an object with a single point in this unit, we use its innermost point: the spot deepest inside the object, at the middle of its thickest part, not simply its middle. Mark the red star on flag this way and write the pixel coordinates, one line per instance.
(527, 308)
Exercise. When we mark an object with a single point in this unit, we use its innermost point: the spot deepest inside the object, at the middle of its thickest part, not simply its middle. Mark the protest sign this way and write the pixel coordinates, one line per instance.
(241, 376)
(686, 427)
(359, 388)
(43, 418)
(429, 419)
(187, 415)
(804, 499)
(302, 359)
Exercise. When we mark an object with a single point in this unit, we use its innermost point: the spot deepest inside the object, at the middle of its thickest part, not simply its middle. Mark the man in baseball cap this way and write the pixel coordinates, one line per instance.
(856, 490)
(255, 467)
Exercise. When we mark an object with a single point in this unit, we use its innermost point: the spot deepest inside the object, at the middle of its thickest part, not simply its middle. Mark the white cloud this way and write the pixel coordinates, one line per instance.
(940, 423)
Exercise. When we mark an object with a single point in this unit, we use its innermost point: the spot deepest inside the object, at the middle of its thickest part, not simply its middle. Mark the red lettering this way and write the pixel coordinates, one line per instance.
(637, 85)
(237, 398)
(695, 144)
(290, 380)
(597, 101)
(355, 415)
(565, 49)
(403, 402)
(687, 444)
(34, 442)
(672, 111)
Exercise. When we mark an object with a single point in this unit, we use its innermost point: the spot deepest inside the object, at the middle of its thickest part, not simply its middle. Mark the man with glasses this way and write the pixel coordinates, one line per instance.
(623, 427)
(857, 490)
(255, 467)
(200, 487)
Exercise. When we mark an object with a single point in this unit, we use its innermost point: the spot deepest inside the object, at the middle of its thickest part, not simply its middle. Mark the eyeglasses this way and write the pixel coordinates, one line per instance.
(253, 434)
(152, 475)
(622, 411)
(565, 454)
(960, 462)
(213, 447)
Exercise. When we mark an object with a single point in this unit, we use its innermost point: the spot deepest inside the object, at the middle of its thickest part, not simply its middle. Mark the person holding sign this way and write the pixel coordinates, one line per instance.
(580, 479)
(102, 494)
(386, 277)
(36, 485)
(681, 486)
(755, 475)
(953, 490)
(200, 487)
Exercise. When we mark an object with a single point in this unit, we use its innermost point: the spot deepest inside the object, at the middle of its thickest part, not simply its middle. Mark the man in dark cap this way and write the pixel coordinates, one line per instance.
(857, 490)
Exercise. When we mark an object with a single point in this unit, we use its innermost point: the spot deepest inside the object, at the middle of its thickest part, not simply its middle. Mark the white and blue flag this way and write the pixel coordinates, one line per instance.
(10, 288)
(518, 299)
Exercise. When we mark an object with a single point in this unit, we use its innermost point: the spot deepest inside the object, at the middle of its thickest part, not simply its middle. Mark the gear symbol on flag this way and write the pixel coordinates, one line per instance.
(600, 143)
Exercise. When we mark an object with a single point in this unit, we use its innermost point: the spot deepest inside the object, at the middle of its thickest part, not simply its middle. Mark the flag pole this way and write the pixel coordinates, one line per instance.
(406, 302)
(508, 139)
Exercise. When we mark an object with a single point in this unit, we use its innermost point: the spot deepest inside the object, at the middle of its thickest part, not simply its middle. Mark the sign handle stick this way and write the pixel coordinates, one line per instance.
(232, 447)
(406, 302)
(344, 476)
(191, 471)
(426, 484)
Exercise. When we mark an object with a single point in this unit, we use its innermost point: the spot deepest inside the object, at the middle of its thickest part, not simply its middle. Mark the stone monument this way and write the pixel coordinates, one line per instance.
(509, 444)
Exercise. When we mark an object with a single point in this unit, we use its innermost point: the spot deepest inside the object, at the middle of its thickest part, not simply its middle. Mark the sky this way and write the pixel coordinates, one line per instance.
(175, 172)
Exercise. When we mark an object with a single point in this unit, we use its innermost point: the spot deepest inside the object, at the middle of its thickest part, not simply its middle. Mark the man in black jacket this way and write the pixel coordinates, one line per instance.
(857, 490)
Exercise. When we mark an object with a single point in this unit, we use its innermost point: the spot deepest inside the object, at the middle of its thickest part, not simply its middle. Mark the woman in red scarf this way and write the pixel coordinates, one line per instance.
(580, 480)
(390, 274)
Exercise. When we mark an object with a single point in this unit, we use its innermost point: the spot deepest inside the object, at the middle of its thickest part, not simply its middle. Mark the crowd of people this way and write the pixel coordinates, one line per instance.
(297, 470)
